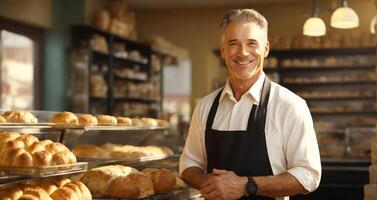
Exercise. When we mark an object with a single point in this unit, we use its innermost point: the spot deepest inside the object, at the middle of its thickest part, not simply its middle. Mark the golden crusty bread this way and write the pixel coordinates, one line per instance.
(89, 151)
(106, 120)
(144, 183)
(26, 151)
(19, 116)
(65, 118)
(124, 121)
(163, 180)
(46, 189)
(87, 120)
(123, 187)
(150, 122)
(137, 122)
(99, 180)
(36, 192)
(116, 151)
(2, 119)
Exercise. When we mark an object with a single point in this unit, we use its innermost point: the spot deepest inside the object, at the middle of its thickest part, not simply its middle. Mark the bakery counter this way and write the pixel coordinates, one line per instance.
(341, 179)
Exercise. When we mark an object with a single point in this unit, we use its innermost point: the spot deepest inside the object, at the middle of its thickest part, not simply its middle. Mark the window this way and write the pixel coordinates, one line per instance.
(20, 66)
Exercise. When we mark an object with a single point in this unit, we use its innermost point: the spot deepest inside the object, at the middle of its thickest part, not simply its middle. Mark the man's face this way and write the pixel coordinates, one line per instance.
(243, 47)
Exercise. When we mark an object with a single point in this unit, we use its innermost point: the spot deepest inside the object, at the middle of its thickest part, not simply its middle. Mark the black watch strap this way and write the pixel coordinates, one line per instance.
(251, 186)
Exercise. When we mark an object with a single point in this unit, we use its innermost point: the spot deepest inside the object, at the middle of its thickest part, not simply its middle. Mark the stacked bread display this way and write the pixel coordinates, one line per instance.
(23, 150)
(18, 116)
(53, 189)
(125, 182)
(109, 150)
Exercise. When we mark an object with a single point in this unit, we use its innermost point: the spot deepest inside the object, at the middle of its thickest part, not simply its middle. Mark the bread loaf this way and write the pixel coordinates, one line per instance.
(27, 151)
(87, 120)
(124, 151)
(89, 151)
(117, 181)
(150, 122)
(19, 116)
(2, 119)
(106, 120)
(163, 180)
(124, 121)
(64, 118)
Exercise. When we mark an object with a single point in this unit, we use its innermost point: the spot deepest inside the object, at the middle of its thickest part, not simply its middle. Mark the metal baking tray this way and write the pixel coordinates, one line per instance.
(176, 194)
(96, 162)
(42, 171)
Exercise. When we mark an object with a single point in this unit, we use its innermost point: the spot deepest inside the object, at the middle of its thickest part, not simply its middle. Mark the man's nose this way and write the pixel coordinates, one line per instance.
(242, 50)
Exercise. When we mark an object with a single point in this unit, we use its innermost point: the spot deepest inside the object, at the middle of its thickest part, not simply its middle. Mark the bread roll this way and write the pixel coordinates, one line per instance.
(124, 121)
(162, 123)
(64, 193)
(86, 195)
(2, 119)
(123, 187)
(137, 122)
(163, 180)
(98, 179)
(87, 120)
(65, 118)
(47, 185)
(106, 120)
(150, 122)
(143, 182)
(20, 117)
(37, 192)
(89, 151)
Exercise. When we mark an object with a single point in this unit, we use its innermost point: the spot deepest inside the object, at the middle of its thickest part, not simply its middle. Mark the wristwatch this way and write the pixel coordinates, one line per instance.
(251, 186)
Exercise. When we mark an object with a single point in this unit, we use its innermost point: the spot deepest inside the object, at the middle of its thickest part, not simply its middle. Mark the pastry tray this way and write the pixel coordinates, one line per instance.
(43, 171)
(176, 194)
(96, 162)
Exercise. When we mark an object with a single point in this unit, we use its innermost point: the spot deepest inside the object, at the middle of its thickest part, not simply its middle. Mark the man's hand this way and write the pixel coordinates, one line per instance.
(224, 185)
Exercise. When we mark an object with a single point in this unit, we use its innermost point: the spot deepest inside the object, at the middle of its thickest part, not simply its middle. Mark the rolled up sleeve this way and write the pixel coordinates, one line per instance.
(301, 147)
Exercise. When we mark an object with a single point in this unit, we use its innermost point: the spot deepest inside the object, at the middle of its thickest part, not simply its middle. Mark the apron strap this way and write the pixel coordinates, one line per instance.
(212, 112)
(260, 115)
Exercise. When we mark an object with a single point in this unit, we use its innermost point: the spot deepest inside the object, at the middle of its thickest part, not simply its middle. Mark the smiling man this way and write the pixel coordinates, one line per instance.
(251, 139)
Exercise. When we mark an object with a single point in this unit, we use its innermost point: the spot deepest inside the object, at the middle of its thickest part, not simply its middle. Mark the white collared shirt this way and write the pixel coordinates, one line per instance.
(290, 137)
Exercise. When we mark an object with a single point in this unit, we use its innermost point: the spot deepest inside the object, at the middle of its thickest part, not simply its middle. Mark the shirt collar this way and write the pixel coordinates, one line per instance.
(255, 90)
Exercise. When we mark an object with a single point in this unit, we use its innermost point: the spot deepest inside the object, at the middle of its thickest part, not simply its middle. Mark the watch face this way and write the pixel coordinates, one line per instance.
(251, 187)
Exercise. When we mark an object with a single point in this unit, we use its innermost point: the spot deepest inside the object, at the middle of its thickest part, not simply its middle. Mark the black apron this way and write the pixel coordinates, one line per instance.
(243, 152)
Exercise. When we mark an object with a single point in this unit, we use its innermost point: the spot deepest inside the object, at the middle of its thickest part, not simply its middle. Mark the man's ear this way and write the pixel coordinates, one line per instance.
(266, 49)
(222, 53)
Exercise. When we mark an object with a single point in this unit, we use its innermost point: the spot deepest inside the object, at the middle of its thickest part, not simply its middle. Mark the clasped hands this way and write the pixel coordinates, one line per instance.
(223, 185)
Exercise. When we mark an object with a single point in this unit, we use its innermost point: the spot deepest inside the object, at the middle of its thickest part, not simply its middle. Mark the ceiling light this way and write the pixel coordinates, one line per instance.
(373, 24)
(344, 17)
(314, 26)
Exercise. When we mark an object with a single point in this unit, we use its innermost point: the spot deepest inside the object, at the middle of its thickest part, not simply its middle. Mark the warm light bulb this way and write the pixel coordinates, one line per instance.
(314, 26)
(373, 24)
(344, 18)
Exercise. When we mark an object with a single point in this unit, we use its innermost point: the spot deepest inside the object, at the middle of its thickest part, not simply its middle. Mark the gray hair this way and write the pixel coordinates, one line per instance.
(244, 15)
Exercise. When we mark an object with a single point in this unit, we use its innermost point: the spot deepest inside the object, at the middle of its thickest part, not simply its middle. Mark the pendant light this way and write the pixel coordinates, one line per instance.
(314, 26)
(344, 17)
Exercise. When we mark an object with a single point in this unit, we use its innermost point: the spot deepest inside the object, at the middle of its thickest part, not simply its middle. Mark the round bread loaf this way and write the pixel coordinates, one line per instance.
(123, 187)
(143, 182)
(18, 116)
(124, 121)
(87, 120)
(162, 123)
(89, 151)
(137, 122)
(106, 120)
(65, 118)
(163, 180)
(64, 193)
(150, 122)
(98, 180)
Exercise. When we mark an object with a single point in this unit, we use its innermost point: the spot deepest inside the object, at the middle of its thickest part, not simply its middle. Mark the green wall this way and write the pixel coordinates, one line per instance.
(56, 52)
